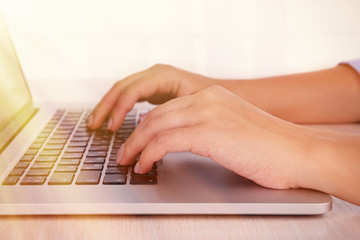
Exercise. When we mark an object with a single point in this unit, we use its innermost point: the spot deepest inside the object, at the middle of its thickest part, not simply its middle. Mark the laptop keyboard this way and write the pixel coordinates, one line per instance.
(66, 153)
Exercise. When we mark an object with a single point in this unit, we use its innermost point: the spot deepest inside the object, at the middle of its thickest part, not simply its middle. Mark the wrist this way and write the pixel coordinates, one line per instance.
(253, 91)
(331, 164)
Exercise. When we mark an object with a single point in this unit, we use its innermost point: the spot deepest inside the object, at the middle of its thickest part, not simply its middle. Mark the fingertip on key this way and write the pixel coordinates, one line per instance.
(137, 168)
(90, 120)
(120, 154)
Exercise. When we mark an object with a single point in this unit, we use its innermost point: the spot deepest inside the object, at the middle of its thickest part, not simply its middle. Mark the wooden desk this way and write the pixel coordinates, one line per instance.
(343, 222)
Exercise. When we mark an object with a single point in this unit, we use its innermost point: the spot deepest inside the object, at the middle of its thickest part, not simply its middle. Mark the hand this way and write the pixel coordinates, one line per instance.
(217, 124)
(157, 85)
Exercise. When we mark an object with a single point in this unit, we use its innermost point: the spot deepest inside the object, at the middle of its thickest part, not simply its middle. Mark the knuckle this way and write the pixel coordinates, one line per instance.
(161, 138)
(107, 101)
(161, 66)
(151, 123)
(158, 65)
(117, 84)
(216, 88)
(209, 94)
(151, 115)
(212, 94)
(175, 117)
(206, 113)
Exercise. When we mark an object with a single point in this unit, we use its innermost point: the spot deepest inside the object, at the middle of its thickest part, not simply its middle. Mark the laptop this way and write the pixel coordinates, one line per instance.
(50, 163)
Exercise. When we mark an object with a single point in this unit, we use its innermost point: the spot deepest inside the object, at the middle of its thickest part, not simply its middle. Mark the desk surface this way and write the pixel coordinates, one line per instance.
(343, 222)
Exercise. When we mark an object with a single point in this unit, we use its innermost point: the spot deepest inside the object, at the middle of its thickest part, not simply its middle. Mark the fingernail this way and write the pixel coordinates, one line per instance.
(137, 167)
(90, 120)
(109, 123)
(120, 154)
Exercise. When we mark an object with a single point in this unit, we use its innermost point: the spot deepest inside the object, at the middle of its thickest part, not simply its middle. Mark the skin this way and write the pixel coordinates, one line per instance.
(256, 137)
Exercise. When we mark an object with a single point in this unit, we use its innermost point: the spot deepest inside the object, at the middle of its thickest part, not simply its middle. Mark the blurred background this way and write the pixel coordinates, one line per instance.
(74, 50)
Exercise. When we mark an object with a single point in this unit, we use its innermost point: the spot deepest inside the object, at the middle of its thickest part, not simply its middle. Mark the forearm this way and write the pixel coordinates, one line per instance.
(332, 165)
(327, 96)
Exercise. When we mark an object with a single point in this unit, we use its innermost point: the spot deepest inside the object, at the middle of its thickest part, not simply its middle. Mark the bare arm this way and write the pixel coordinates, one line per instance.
(332, 164)
(326, 96)
(287, 155)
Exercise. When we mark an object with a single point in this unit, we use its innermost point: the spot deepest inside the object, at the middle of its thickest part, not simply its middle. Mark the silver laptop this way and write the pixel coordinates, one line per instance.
(51, 164)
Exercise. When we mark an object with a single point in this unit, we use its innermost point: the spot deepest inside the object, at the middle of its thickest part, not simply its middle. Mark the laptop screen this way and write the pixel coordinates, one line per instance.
(15, 99)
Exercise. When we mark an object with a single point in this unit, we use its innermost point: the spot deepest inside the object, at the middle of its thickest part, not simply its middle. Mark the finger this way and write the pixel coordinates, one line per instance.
(151, 127)
(173, 140)
(173, 104)
(142, 117)
(104, 107)
(135, 91)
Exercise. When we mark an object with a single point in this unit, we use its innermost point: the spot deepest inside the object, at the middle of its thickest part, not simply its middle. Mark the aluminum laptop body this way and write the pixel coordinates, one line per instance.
(186, 184)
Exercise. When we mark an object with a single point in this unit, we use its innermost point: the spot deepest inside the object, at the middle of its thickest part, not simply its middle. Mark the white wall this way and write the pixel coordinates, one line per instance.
(75, 49)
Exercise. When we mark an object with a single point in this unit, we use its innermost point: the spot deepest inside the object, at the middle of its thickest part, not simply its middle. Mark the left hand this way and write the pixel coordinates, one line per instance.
(217, 124)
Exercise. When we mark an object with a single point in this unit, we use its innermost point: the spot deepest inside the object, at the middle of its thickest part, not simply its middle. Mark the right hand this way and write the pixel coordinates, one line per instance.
(157, 85)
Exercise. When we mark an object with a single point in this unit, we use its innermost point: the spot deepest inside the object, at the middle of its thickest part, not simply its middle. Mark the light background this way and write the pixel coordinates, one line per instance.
(74, 50)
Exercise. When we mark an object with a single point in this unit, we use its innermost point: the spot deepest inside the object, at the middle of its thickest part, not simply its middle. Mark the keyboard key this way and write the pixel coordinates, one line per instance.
(68, 123)
(60, 136)
(38, 172)
(47, 130)
(114, 151)
(96, 154)
(140, 179)
(80, 139)
(17, 172)
(31, 152)
(88, 177)
(53, 147)
(91, 167)
(118, 141)
(40, 140)
(77, 144)
(116, 170)
(99, 148)
(69, 162)
(44, 135)
(65, 128)
(75, 150)
(50, 153)
(123, 135)
(82, 134)
(114, 179)
(61, 178)
(100, 143)
(22, 165)
(63, 131)
(66, 168)
(74, 112)
(11, 180)
(46, 159)
(103, 137)
(35, 146)
(112, 164)
(117, 144)
(72, 155)
(39, 180)
(42, 165)
(127, 126)
(27, 158)
(53, 121)
(57, 141)
(94, 160)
